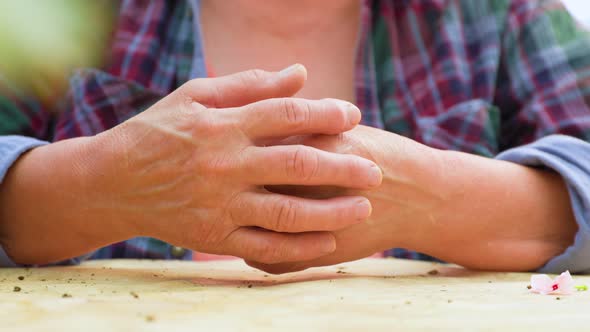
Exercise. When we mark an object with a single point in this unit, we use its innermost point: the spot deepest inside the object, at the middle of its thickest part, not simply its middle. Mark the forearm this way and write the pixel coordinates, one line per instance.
(46, 203)
(495, 214)
(477, 212)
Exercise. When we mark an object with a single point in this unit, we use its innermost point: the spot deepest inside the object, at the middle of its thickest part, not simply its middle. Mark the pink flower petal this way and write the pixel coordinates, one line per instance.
(565, 283)
(542, 283)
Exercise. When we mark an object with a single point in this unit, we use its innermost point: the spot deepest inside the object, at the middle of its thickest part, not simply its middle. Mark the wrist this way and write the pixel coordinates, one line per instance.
(103, 167)
(497, 215)
(46, 208)
(416, 191)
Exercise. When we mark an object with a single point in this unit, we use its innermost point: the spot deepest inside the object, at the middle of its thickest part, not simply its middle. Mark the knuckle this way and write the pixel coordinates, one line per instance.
(213, 97)
(351, 166)
(203, 91)
(271, 254)
(222, 165)
(254, 75)
(302, 164)
(352, 172)
(238, 210)
(191, 85)
(290, 111)
(206, 125)
(285, 215)
(296, 113)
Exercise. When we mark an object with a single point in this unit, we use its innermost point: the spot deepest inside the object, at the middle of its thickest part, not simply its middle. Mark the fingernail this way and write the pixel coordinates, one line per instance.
(289, 70)
(353, 113)
(363, 209)
(375, 176)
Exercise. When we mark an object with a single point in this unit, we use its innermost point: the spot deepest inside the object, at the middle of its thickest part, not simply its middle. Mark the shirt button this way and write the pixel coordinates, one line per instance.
(177, 252)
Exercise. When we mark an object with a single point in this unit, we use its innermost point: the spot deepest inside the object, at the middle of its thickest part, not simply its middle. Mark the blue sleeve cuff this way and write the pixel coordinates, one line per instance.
(570, 157)
(5, 261)
(11, 148)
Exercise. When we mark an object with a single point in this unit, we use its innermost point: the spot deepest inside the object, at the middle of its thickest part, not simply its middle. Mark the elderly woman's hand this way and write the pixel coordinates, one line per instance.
(401, 202)
(465, 209)
(191, 170)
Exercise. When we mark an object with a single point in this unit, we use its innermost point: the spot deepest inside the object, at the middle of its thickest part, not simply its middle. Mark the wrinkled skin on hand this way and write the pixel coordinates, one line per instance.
(193, 173)
(398, 202)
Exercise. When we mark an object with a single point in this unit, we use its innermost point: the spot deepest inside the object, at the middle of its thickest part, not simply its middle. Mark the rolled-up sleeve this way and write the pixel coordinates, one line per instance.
(12, 147)
(570, 157)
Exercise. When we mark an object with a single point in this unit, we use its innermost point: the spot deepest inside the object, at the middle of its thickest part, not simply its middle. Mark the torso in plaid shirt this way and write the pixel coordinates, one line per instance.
(474, 76)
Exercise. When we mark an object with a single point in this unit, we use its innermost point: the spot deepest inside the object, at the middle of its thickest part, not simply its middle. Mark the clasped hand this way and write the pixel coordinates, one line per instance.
(193, 169)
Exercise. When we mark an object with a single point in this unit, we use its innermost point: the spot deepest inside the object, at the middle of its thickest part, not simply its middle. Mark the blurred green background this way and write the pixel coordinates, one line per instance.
(41, 41)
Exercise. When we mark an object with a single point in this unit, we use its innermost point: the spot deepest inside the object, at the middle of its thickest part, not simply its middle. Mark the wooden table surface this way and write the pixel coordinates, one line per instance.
(371, 294)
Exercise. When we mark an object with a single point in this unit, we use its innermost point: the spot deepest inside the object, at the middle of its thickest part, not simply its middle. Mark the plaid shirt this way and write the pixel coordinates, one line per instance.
(474, 76)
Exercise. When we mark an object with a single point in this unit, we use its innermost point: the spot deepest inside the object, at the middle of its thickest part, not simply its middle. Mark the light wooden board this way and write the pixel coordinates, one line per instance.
(373, 294)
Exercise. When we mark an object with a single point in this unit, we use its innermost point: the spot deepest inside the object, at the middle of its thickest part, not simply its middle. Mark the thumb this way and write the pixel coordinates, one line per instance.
(245, 87)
